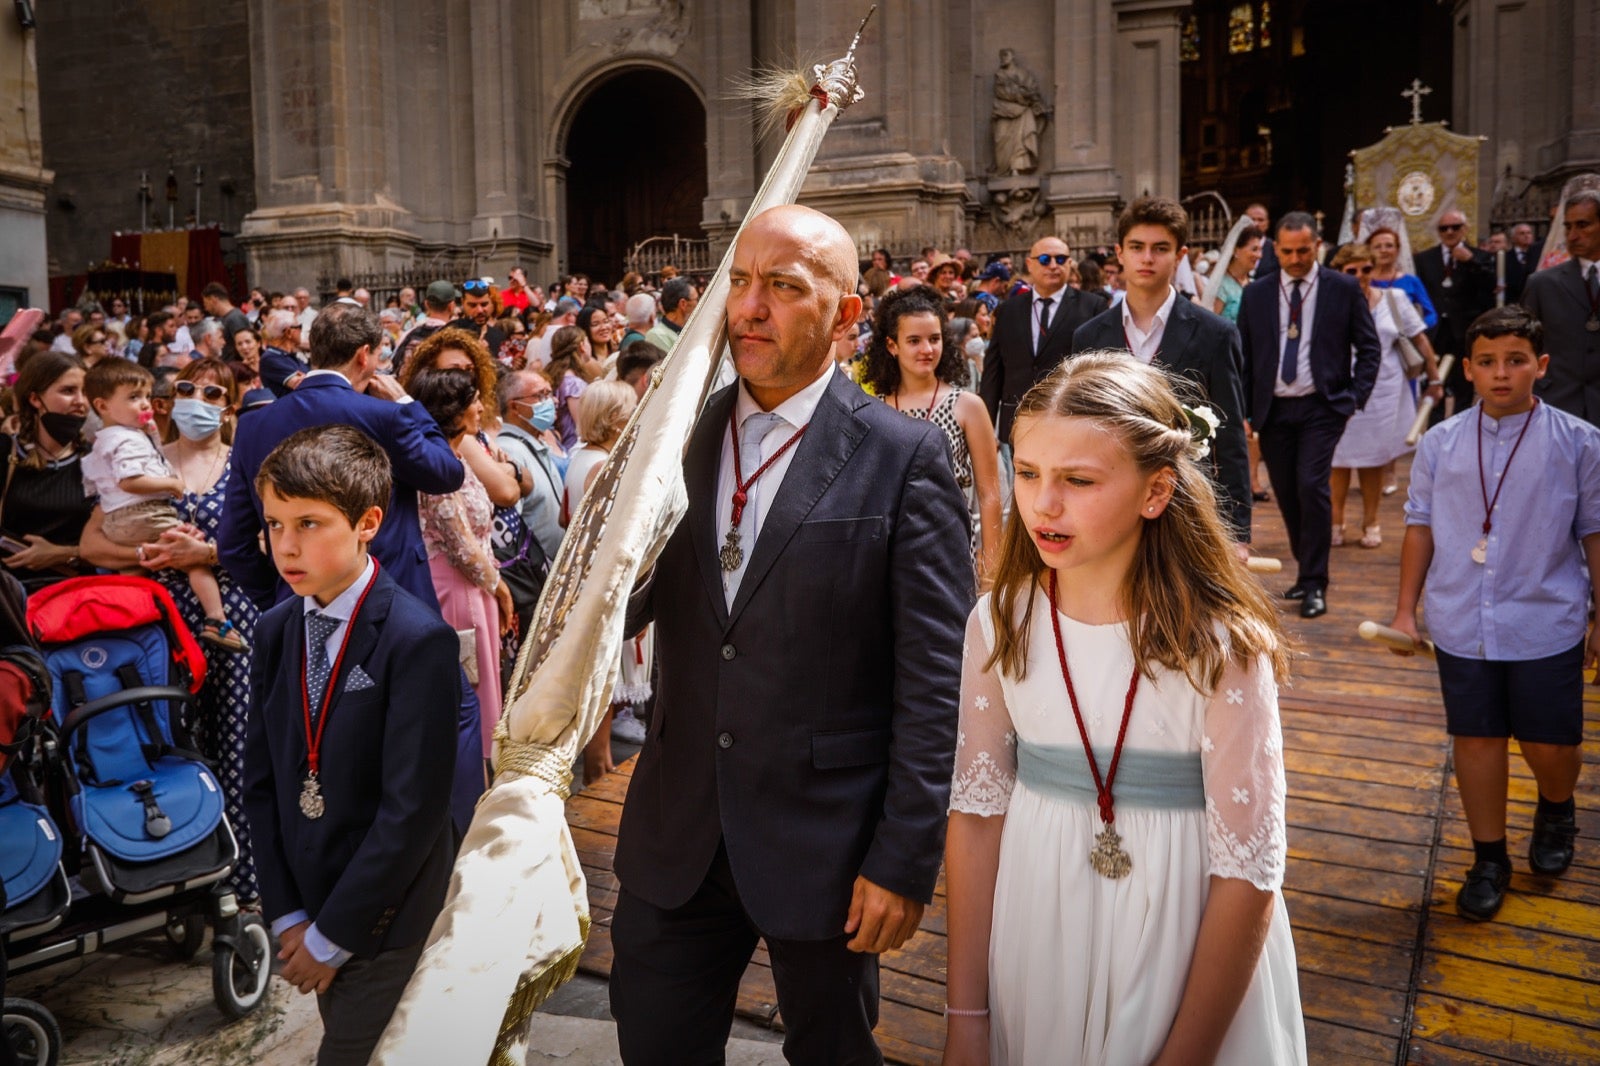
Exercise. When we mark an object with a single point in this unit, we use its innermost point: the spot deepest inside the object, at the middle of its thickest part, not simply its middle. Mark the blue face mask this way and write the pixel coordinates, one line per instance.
(195, 418)
(543, 415)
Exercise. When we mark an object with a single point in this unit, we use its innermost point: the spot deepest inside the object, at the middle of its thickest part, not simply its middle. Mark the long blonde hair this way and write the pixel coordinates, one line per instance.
(1190, 606)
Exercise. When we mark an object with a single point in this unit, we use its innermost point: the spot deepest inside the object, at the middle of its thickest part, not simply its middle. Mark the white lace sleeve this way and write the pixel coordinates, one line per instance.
(1242, 760)
(986, 745)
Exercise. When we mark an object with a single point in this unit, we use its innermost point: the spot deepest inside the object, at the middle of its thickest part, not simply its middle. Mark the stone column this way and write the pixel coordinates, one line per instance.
(886, 170)
(1527, 78)
(506, 227)
(321, 92)
(1116, 129)
(23, 177)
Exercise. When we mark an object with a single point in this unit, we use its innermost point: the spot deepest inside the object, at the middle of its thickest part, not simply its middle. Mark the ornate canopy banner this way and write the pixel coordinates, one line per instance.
(1424, 170)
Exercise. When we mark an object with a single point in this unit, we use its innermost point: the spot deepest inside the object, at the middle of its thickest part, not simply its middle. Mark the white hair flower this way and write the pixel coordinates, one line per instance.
(1203, 423)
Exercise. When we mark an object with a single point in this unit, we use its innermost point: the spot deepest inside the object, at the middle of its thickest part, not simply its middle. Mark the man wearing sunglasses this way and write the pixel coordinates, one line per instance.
(1460, 282)
(1032, 334)
(477, 314)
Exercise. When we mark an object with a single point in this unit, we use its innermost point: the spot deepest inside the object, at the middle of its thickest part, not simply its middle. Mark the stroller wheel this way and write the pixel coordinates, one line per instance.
(241, 967)
(33, 1033)
(185, 934)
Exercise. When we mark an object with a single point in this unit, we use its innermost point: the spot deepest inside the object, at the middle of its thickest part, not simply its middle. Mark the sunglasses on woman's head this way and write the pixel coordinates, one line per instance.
(1046, 260)
(210, 393)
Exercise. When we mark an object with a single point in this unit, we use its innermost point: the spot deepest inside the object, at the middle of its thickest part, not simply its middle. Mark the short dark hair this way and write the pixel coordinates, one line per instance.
(343, 285)
(1297, 220)
(1512, 320)
(675, 292)
(638, 358)
(446, 395)
(337, 465)
(156, 319)
(1155, 211)
(216, 290)
(108, 375)
(341, 330)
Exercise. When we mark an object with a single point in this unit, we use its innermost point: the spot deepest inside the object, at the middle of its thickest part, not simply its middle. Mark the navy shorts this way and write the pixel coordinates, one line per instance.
(1536, 700)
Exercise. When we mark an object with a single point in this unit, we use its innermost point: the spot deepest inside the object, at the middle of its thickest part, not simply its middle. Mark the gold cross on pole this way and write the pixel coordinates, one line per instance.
(1415, 94)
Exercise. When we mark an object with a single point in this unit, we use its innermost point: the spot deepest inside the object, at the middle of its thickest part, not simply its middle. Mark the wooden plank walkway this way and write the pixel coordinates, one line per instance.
(1377, 849)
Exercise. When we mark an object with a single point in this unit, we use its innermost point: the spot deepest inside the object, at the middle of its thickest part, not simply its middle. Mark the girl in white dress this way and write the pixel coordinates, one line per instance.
(1124, 909)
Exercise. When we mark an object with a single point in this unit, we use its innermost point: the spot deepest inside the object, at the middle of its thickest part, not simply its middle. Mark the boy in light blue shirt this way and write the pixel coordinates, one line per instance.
(1503, 528)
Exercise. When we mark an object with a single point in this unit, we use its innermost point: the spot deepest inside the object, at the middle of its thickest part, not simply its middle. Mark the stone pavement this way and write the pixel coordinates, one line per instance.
(140, 1008)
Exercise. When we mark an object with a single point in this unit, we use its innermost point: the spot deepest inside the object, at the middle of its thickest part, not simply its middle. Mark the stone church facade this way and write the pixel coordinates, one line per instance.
(335, 137)
(464, 138)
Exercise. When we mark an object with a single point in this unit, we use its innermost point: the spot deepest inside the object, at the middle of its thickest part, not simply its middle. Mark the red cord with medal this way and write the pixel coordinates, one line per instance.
(1293, 332)
(311, 803)
(1480, 551)
(732, 554)
(1108, 859)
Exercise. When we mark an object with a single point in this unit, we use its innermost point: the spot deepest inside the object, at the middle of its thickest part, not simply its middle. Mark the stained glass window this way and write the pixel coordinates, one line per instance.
(1189, 40)
(1241, 29)
(1264, 33)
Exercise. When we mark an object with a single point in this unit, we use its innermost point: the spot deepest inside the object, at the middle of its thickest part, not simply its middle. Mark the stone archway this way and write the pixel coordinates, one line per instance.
(636, 168)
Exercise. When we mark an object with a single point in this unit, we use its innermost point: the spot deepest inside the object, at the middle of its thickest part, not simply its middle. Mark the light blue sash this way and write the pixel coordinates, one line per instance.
(1161, 780)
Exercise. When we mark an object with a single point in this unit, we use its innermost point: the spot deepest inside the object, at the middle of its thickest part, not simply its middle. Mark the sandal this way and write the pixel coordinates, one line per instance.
(1371, 537)
(1338, 536)
(223, 634)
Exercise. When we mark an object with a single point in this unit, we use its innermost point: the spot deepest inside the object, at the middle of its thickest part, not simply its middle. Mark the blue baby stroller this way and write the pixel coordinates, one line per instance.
(141, 813)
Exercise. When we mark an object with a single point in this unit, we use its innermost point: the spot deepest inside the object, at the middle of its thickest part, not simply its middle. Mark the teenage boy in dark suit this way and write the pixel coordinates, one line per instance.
(350, 748)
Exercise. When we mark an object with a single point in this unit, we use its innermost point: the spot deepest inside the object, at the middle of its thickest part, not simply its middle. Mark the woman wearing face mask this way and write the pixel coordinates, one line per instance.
(199, 439)
(43, 509)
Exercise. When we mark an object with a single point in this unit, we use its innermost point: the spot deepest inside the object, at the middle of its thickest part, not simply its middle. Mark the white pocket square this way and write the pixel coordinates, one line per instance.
(358, 680)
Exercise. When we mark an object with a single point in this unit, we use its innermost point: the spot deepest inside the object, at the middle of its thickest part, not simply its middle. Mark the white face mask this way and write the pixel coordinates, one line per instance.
(976, 347)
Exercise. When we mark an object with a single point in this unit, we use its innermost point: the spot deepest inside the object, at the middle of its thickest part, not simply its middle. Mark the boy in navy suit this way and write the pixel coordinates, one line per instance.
(351, 743)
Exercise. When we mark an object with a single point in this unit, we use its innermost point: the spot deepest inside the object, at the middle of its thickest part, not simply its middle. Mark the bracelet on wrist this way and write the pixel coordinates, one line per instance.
(953, 1012)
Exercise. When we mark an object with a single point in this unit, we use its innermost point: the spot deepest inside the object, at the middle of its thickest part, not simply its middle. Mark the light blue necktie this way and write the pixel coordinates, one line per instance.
(319, 627)
(751, 434)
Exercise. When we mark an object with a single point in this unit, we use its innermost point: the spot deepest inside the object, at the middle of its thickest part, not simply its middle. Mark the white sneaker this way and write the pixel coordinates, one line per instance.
(626, 728)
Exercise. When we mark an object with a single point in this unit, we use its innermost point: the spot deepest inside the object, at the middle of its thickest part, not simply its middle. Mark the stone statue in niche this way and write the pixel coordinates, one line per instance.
(1019, 115)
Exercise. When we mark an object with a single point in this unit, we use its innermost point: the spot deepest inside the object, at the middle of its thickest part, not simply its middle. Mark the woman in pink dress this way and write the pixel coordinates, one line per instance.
(456, 529)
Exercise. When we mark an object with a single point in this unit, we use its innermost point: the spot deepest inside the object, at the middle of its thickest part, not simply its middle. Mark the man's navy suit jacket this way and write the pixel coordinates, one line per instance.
(372, 871)
(1344, 344)
(420, 455)
(811, 729)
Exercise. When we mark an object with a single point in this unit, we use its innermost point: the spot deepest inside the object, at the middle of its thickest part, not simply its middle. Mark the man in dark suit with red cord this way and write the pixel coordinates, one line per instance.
(795, 778)
(1310, 361)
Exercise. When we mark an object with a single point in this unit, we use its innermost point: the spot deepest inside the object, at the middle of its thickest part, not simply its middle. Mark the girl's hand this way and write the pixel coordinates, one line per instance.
(966, 1041)
(40, 554)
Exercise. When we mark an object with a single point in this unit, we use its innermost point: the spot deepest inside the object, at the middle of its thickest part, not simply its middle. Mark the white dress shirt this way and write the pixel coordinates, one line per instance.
(1033, 310)
(1303, 384)
(796, 411)
(1144, 346)
(341, 607)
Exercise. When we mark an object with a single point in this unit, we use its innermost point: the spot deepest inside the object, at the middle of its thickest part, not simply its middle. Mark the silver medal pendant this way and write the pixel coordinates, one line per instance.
(1294, 331)
(1108, 858)
(311, 804)
(732, 554)
(1446, 283)
(1593, 324)
(1480, 552)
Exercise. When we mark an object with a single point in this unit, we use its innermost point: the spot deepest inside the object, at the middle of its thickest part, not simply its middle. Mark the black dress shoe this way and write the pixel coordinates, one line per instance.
(1261, 497)
(1315, 605)
(1485, 889)
(1295, 592)
(1550, 850)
